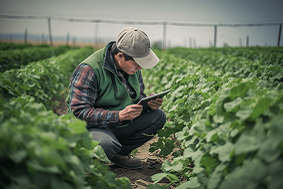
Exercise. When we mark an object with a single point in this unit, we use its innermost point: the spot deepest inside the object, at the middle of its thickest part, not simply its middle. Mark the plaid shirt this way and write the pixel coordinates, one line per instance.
(84, 91)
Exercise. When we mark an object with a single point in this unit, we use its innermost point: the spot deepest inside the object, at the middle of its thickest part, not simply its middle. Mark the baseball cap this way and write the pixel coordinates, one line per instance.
(135, 43)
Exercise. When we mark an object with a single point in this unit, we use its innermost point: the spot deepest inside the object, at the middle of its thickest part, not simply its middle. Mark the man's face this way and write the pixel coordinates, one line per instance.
(130, 67)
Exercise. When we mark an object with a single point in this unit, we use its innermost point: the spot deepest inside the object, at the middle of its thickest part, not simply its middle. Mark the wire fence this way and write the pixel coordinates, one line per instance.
(164, 24)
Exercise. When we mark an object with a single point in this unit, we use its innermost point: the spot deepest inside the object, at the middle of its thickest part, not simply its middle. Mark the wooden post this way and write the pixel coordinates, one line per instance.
(279, 36)
(74, 41)
(49, 29)
(247, 42)
(67, 38)
(215, 35)
(195, 43)
(164, 35)
(26, 36)
(96, 34)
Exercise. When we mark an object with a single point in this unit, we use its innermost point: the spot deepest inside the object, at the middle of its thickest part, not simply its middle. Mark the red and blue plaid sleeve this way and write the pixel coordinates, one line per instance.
(83, 94)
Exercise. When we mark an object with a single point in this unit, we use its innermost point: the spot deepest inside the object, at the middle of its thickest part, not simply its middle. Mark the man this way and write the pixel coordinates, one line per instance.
(104, 91)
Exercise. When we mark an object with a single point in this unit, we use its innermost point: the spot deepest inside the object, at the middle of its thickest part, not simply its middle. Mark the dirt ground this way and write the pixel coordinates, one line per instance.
(152, 162)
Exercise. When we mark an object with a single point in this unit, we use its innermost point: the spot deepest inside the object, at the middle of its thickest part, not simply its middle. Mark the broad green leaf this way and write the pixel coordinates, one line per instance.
(247, 143)
(222, 99)
(269, 149)
(198, 127)
(239, 91)
(209, 163)
(188, 152)
(22, 181)
(192, 183)
(216, 176)
(211, 136)
(218, 118)
(249, 176)
(276, 172)
(197, 169)
(59, 183)
(34, 165)
(18, 156)
(260, 107)
(231, 106)
(158, 177)
(244, 112)
(174, 166)
(173, 178)
(168, 148)
(157, 186)
(223, 151)
(99, 153)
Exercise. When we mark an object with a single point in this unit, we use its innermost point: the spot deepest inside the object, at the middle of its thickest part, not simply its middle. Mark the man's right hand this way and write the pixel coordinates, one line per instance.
(130, 112)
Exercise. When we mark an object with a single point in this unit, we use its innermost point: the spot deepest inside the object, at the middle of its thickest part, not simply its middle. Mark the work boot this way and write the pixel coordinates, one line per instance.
(127, 161)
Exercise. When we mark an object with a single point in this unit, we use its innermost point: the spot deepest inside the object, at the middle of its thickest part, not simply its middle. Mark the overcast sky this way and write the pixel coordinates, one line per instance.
(179, 11)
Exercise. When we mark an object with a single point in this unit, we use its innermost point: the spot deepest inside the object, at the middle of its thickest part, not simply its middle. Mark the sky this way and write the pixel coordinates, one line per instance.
(175, 11)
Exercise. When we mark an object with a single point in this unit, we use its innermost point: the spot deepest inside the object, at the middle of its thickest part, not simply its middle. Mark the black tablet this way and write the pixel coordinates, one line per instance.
(159, 95)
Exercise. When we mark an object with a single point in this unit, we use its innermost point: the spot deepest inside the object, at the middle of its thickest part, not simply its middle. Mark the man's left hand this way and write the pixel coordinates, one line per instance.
(155, 104)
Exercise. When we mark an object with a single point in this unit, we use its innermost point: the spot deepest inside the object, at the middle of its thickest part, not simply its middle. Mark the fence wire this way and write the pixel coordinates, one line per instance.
(145, 23)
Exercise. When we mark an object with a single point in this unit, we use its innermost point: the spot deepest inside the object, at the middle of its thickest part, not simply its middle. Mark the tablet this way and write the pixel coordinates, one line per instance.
(159, 95)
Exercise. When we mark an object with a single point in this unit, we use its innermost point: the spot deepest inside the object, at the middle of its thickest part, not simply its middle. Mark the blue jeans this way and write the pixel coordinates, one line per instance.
(124, 139)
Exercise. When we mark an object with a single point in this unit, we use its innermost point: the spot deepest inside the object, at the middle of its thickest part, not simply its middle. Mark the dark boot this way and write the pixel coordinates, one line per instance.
(127, 162)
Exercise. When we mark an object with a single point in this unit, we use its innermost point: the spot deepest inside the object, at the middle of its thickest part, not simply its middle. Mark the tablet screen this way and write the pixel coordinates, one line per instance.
(159, 95)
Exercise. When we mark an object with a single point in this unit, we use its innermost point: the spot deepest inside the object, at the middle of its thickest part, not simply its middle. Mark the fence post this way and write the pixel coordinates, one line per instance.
(67, 38)
(215, 35)
(279, 36)
(49, 29)
(247, 42)
(164, 34)
(95, 35)
(74, 41)
(26, 36)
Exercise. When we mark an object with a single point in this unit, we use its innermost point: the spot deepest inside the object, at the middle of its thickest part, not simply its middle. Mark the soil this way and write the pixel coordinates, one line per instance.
(152, 162)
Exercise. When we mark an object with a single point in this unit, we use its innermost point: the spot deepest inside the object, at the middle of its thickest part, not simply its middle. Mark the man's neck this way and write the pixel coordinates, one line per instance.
(116, 63)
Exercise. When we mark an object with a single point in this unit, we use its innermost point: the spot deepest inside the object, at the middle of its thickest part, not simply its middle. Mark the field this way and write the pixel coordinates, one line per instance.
(224, 111)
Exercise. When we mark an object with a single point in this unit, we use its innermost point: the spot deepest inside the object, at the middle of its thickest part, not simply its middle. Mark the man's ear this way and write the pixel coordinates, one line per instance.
(120, 55)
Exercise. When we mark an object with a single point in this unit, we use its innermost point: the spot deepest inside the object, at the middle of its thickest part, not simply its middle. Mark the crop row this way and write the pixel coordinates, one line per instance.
(16, 58)
(239, 67)
(227, 127)
(267, 55)
(42, 79)
(10, 46)
(39, 149)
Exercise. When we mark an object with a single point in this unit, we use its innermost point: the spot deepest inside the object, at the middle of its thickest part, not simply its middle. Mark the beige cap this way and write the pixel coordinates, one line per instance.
(135, 43)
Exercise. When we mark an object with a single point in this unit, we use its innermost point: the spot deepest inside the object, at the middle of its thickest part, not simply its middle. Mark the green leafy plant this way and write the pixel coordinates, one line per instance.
(220, 119)
(42, 79)
(16, 58)
(41, 150)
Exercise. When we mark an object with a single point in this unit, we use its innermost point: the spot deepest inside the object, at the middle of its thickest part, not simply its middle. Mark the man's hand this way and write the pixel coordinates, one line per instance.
(130, 112)
(155, 104)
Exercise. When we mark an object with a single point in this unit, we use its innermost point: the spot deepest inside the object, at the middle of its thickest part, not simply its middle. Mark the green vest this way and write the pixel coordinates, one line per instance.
(112, 94)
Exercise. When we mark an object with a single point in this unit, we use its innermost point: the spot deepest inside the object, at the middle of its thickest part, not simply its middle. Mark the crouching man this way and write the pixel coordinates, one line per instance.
(104, 91)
